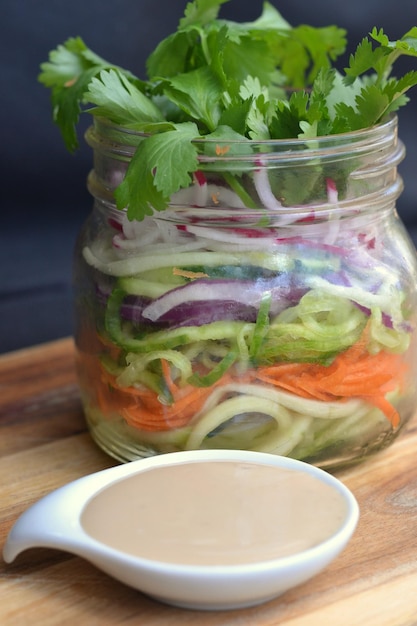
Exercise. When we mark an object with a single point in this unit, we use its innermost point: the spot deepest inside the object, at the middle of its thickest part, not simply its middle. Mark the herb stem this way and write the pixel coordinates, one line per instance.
(205, 48)
(234, 184)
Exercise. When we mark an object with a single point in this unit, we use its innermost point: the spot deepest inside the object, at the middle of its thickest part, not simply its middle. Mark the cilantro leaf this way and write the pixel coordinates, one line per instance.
(248, 57)
(120, 100)
(322, 45)
(235, 115)
(251, 88)
(67, 62)
(68, 72)
(362, 60)
(407, 44)
(309, 130)
(186, 49)
(260, 109)
(396, 89)
(319, 109)
(305, 50)
(198, 94)
(137, 192)
(222, 80)
(200, 12)
(216, 42)
(270, 19)
(226, 142)
(162, 164)
(171, 56)
(286, 122)
(341, 92)
(382, 58)
(258, 118)
(372, 103)
(66, 107)
(379, 94)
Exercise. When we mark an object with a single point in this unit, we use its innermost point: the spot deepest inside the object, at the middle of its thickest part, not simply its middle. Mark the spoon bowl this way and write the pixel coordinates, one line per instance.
(65, 520)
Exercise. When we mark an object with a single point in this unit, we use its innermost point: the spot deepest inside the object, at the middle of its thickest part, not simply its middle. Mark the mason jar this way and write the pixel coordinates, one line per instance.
(271, 306)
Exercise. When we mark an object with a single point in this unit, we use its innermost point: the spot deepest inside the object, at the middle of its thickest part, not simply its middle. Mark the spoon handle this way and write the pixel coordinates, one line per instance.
(52, 522)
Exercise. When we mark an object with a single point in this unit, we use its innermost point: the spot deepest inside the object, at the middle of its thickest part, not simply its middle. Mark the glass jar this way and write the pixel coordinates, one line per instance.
(271, 306)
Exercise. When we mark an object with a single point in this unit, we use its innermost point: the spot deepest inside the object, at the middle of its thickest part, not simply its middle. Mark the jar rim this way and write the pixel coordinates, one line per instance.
(122, 142)
(360, 164)
(390, 122)
(355, 137)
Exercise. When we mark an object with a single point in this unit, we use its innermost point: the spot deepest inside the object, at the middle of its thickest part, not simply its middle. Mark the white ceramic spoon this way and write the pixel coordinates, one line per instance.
(55, 521)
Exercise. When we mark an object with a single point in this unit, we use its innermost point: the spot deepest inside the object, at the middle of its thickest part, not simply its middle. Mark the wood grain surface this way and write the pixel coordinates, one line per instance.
(44, 444)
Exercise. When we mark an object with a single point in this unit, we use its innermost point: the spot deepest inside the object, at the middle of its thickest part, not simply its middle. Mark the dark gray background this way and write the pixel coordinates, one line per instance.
(44, 199)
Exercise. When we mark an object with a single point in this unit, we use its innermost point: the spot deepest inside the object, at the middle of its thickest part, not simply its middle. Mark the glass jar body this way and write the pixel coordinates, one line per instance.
(286, 328)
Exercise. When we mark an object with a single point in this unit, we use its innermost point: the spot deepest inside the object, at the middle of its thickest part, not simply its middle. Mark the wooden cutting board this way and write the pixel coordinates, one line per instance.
(44, 444)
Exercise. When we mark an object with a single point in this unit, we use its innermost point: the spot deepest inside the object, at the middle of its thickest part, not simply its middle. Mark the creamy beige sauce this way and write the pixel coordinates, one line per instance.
(208, 513)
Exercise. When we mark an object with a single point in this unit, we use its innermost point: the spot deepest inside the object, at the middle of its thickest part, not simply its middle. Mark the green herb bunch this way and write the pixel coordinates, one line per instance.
(227, 81)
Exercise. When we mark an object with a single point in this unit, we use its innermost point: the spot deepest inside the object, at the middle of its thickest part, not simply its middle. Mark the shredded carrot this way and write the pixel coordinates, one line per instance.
(143, 408)
(71, 82)
(354, 373)
(166, 372)
(188, 273)
(222, 150)
(148, 413)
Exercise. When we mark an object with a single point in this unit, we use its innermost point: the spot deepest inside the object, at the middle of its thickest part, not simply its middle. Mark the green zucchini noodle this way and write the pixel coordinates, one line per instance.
(293, 417)
(388, 338)
(109, 264)
(382, 300)
(293, 426)
(237, 405)
(242, 342)
(297, 302)
(353, 428)
(303, 406)
(210, 354)
(141, 287)
(138, 362)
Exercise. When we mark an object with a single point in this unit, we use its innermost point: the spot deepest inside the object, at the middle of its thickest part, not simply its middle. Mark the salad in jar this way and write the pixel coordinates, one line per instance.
(245, 281)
